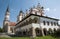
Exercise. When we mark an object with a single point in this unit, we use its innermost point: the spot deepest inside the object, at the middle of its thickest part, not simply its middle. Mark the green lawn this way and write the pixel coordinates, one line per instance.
(45, 37)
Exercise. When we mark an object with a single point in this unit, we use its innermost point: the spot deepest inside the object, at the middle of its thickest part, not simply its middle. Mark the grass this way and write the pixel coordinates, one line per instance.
(45, 37)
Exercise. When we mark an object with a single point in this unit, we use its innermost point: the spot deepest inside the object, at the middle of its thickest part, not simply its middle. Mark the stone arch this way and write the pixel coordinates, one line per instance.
(24, 32)
(37, 30)
(50, 31)
(45, 31)
(54, 30)
(11, 29)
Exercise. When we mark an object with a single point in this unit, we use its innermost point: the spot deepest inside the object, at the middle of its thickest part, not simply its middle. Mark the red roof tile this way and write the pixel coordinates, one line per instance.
(12, 24)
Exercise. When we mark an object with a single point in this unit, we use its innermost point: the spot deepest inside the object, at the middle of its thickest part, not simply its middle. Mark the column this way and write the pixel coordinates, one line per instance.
(33, 32)
(42, 32)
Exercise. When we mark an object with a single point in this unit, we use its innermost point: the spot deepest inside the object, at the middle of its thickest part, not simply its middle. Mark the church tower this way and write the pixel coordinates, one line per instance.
(40, 9)
(6, 20)
(26, 13)
(20, 16)
(37, 10)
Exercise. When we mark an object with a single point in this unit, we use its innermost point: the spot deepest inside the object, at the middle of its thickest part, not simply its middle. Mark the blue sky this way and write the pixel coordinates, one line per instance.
(52, 8)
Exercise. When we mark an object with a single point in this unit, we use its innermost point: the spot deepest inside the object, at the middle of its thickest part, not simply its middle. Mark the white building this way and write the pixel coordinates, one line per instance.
(33, 23)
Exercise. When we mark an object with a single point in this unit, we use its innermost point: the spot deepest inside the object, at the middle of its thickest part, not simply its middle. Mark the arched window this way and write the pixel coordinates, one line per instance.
(57, 23)
(47, 23)
(35, 20)
(51, 23)
(54, 23)
(44, 23)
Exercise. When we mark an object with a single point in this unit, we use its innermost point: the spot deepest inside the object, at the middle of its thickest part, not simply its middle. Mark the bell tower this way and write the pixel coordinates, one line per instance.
(40, 9)
(6, 20)
(20, 16)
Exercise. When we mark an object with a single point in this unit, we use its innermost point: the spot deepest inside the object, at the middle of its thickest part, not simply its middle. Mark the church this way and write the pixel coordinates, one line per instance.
(32, 23)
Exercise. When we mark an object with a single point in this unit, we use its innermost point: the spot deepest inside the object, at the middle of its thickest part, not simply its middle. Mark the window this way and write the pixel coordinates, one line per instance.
(54, 23)
(57, 24)
(44, 23)
(51, 23)
(47, 23)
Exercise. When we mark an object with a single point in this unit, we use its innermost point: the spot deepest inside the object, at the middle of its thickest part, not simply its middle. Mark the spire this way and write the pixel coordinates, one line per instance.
(26, 12)
(7, 14)
(21, 12)
(38, 6)
(20, 16)
(7, 9)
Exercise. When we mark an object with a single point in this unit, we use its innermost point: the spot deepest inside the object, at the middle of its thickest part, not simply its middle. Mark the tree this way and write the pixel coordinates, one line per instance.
(57, 33)
(1, 30)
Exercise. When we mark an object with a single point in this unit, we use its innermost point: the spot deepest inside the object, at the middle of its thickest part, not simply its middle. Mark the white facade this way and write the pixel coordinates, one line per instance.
(48, 26)
(32, 20)
(40, 24)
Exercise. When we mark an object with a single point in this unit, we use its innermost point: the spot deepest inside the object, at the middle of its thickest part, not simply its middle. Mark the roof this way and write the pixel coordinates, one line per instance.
(12, 24)
(7, 10)
(38, 16)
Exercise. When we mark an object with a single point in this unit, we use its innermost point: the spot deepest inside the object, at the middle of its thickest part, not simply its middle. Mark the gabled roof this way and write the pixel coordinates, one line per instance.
(12, 24)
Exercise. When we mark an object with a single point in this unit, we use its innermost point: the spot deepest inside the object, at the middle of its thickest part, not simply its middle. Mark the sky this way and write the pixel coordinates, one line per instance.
(51, 7)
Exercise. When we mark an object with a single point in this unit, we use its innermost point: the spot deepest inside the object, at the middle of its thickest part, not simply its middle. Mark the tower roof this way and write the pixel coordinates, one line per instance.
(38, 6)
(21, 12)
(7, 10)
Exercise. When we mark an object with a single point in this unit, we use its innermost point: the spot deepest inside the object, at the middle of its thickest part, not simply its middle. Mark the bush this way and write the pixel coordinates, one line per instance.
(1, 30)
(56, 33)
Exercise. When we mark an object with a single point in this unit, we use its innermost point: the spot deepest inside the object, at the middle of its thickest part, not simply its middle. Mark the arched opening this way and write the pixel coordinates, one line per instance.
(37, 30)
(54, 30)
(45, 31)
(24, 33)
(11, 29)
(50, 31)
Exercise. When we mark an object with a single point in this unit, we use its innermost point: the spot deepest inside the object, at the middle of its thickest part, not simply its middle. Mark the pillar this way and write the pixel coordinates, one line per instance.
(42, 32)
(33, 32)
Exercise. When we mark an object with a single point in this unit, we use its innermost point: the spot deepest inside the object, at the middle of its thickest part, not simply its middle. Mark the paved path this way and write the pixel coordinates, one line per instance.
(4, 35)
